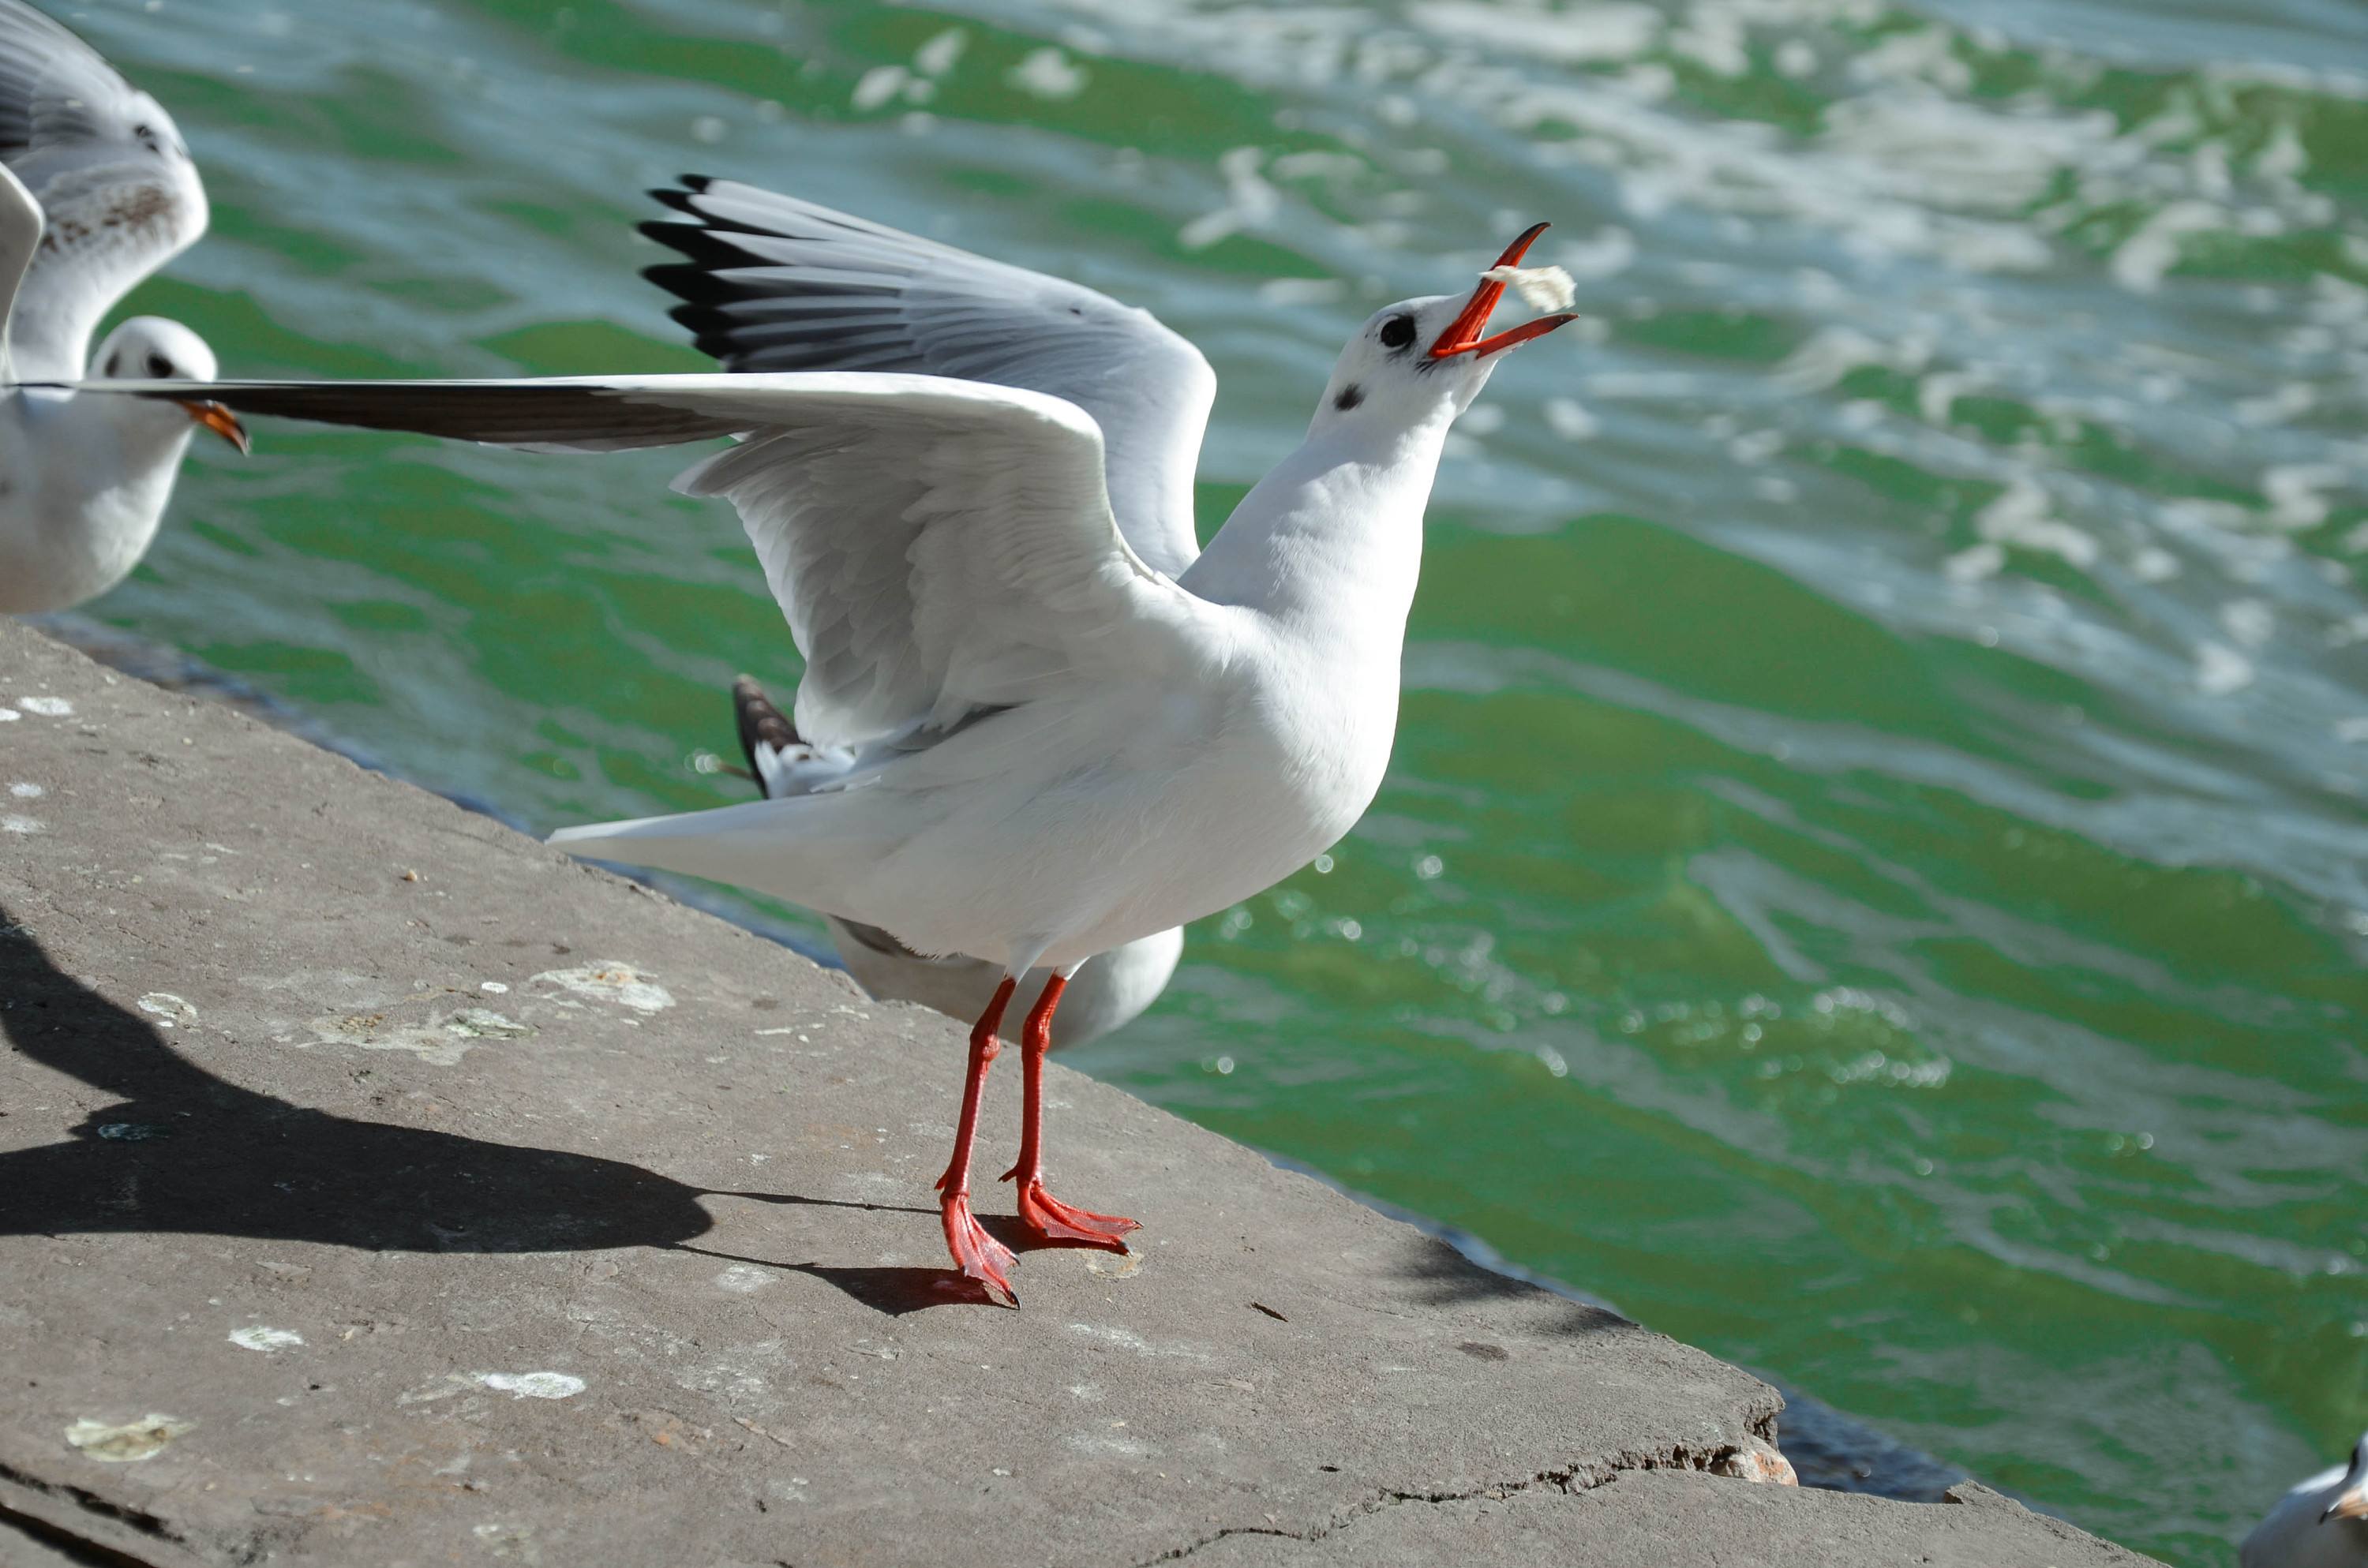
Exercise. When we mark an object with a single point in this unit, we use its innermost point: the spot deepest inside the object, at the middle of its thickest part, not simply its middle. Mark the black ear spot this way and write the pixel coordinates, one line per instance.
(1397, 332)
(159, 368)
(1350, 396)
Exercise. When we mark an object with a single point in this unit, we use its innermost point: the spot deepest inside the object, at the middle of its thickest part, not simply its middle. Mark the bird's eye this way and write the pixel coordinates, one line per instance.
(1397, 332)
(146, 134)
(159, 368)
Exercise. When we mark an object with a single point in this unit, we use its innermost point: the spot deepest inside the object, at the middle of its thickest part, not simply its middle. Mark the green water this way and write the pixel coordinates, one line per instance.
(1872, 880)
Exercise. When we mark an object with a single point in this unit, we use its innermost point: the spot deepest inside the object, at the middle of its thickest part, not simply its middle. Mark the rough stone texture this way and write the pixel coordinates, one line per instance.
(405, 1192)
(1658, 1515)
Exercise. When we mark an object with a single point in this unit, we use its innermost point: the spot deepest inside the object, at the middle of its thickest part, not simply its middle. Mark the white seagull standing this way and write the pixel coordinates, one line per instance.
(1060, 749)
(2322, 1523)
(96, 191)
(772, 282)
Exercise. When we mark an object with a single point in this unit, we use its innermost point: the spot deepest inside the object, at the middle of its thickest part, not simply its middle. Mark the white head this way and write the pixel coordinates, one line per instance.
(1424, 360)
(150, 348)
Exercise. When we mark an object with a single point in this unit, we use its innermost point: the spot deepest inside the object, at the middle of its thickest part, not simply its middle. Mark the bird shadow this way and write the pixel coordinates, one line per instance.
(899, 1289)
(890, 1290)
(182, 1151)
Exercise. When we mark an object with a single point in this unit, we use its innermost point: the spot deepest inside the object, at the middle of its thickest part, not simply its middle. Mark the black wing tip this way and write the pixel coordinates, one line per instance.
(685, 189)
(704, 246)
(689, 280)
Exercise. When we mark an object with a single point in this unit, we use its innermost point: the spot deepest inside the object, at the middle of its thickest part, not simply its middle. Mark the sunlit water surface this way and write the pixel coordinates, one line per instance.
(1872, 880)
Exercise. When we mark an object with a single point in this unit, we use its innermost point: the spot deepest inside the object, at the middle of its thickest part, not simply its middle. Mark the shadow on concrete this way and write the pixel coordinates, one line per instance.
(891, 1292)
(183, 1151)
(1447, 1278)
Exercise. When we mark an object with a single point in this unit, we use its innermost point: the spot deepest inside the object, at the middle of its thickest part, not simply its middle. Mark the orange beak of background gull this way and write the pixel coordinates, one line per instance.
(1462, 334)
(223, 423)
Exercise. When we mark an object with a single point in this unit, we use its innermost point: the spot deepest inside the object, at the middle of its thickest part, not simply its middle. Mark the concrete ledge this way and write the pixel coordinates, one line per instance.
(377, 1186)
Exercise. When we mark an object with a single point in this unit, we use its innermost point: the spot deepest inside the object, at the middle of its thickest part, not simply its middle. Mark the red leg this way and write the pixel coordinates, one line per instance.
(1051, 1219)
(977, 1255)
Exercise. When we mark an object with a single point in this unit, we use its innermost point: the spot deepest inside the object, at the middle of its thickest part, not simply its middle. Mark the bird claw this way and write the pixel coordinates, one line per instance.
(978, 1256)
(1054, 1220)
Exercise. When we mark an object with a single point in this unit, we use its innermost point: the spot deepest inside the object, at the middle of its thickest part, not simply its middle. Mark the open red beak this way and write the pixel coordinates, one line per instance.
(1462, 334)
(223, 423)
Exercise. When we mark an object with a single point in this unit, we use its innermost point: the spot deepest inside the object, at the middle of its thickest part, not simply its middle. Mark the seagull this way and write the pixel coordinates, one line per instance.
(772, 282)
(2322, 1523)
(1111, 992)
(96, 191)
(1059, 748)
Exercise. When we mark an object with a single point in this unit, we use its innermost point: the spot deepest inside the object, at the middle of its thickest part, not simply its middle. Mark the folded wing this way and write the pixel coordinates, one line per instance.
(939, 547)
(774, 283)
(109, 170)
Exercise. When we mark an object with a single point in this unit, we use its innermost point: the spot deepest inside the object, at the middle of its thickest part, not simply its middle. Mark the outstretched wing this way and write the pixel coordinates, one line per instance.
(939, 547)
(775, 283)
(107, 165)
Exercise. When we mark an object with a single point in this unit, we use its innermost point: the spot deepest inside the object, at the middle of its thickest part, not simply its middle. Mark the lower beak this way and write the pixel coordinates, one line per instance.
(2352, 1505)
(1462, 334)
(223, 423)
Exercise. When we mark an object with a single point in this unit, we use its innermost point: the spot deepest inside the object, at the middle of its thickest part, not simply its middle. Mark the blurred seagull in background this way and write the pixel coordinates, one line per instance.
(2322, 1523)
(96, 191)
(770, 283)
(1059, 748)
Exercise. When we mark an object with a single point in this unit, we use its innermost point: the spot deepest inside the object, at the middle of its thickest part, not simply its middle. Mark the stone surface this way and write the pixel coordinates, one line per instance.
(378, 1186)
(1642, 1516)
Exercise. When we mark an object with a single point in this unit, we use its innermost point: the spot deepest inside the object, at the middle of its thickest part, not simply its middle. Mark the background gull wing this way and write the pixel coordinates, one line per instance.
(775, 283)
(117, 186)
(939, 547)
(20, 237)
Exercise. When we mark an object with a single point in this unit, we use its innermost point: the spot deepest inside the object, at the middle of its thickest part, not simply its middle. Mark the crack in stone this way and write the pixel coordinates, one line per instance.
(1577, 1478)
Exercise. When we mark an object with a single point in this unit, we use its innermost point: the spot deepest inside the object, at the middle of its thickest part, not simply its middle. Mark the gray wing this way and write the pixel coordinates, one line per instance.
(115, 186)
(775, 283)
(937, 546)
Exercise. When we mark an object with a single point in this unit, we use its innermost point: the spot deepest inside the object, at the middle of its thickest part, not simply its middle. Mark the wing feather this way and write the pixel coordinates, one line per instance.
(939, 547)
(775, 283)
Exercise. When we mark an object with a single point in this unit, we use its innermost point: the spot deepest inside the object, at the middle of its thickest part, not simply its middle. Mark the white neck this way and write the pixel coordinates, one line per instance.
(1333, 536)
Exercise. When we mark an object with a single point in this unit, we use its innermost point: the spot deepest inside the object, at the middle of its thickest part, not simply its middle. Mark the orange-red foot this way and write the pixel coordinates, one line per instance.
(977, 1255)
(1054, 1220)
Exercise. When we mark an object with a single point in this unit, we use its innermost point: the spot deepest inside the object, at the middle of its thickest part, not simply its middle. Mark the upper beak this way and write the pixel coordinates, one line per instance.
(1462, 334)
(223, 423)
(2350, 1504)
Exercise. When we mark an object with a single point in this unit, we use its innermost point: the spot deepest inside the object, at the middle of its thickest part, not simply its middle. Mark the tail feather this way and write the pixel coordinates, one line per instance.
(751, 845)
(760, 723)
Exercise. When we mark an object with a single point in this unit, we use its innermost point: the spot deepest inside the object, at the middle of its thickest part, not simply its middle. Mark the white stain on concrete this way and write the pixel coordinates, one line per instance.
(9, 715)
(533, 1385)
(168, 1008)
(745, 1278)
(22, 824)
(128, 1443)
(1124, 1265)
(1127, 1339)
(617, 983)
(25, 791)
(266, 1339)
(47, 707)
(441, 1042)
